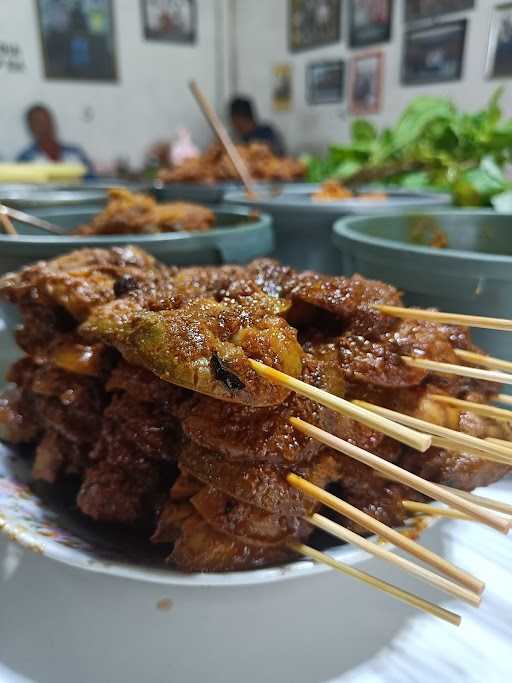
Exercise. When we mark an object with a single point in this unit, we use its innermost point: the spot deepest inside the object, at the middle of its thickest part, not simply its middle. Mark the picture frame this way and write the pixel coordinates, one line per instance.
(325, 82)
(499, 48)
(313, 23)
(416, 10)
(434, 54)
(78, 40)
(365, 83)
(169, 21)
(370, 22)
(282, 87)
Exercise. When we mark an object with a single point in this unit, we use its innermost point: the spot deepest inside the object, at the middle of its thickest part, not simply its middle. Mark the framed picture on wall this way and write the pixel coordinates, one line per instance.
(282, 88)
(77, 39)
(365, 84)
(172, 21)
(499, 51)
(434, 54)
(313, 23)
(325, 82)
(426, 9)
(369, 22)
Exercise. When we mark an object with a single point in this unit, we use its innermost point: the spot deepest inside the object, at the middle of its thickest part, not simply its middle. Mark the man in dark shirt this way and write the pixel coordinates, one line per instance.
(46, 146)
(244, 121)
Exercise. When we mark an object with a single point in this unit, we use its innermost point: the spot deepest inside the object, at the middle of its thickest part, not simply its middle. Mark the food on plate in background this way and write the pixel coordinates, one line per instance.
(214, 166)
(333, 191)
(130, 213)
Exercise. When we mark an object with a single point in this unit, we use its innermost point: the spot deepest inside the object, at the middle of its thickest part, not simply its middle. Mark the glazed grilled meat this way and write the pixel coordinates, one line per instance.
(137, 214)
(137, 386)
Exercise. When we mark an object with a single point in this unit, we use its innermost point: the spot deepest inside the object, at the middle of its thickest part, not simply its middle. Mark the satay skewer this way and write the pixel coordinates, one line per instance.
(446, 318)
(379, 584)
(435, 511)
(455, 446)
(410, 437)
(490, 503)
(458, 438)
(503, 398)
(382, 530)
(7, 225)
(28, 219)
(224, 138)
(425, 487)
(481, 359)
(377, 550)
(473, 407)
(460, 370)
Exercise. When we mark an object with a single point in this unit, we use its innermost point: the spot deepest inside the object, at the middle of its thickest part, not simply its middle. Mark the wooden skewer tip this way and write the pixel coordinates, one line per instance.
(379, 584)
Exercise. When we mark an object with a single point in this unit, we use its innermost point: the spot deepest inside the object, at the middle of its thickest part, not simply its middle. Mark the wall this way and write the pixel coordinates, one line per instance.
(262, 42)
(148, 103)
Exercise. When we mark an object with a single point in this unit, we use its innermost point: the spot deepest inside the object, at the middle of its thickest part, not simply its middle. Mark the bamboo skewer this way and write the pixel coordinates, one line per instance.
(379, 584)
(461, 370)
(382, 553)
(452, 445)
(473, 407)
(464, 440)
(428, 488)
(433, 511)
(447, 318)
(407, 436)
(27, 218)
(8, 227)
(490, 503)
(223, 136)
(486, 361)
(389, 534)
(503, 398)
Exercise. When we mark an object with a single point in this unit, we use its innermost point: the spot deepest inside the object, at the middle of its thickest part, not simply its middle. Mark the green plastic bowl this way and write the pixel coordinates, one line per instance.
(27, 197)
(202, 193)
(472, 275)
(239, 238)
(303, 228)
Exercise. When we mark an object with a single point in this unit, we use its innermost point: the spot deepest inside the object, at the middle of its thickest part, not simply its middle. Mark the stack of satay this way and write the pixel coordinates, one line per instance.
(207, 407)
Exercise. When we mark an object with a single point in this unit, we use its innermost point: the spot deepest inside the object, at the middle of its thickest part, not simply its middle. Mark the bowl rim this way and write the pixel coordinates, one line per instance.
(263, 220)
(414, 198)
(19, 533)
(344, 230)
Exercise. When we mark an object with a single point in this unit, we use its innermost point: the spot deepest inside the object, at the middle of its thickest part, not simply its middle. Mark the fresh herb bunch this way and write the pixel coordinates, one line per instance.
(433, 146)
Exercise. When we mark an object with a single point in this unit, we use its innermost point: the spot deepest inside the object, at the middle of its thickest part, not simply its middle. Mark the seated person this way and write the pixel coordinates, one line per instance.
(46, 146)
(249, 129)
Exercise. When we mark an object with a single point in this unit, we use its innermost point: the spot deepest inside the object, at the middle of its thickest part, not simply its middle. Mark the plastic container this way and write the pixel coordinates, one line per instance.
(303, 228)
(201, 193)
(472, 275)
(239, 237)
(27, 197)
(95, 191)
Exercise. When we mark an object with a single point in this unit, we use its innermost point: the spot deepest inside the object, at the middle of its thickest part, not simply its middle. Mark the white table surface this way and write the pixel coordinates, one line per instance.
(59, 624)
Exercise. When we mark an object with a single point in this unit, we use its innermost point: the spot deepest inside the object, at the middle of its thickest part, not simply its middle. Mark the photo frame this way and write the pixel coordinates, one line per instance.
(78, 39)
(370, 22)
(434, 54)
(282, 87)
(313, 23)
(325, 82)
(416, 10)
(365, 84)
(169, 21)
(499, 49)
